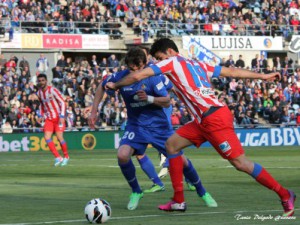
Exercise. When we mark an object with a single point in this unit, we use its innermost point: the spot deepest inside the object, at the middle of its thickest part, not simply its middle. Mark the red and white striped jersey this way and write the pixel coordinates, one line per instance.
(191, 80)
(52, 103)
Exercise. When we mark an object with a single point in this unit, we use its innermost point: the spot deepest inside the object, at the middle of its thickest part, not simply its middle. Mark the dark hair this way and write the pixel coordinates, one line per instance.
(162, 45)
(135, 56)
(42, 75)
(145, 48)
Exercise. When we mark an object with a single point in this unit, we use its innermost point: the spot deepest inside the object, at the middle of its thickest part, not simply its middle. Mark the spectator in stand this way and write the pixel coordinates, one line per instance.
(23, 63)
(11, 64)
(240, 63)
(175, 117)
(42, 64)
(230, 62)
(255, 62)
(2, 60)
(275, 115)
(6, 127)
(94, 62)
(277, 63)
(113, 62)
(121, 10)
(61, 62)
(88, 99)
(186, 117)
(263, 64)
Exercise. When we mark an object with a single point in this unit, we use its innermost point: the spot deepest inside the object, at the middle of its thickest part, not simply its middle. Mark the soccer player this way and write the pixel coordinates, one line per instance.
(212, 122)
(53, 109)
(164, 163)
(147, 124)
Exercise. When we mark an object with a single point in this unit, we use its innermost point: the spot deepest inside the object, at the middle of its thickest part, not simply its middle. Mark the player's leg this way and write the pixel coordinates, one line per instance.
(185, 136)
(192, 176)
(262, 176)
(128, 170)
(220, 133)
(48, 131)
(149, 169)
(174, 145)
(164, 163)
(64, 148)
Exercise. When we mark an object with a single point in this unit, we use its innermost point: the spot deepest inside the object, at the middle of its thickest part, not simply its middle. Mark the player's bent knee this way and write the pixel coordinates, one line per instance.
(123, 157)
(171, 149)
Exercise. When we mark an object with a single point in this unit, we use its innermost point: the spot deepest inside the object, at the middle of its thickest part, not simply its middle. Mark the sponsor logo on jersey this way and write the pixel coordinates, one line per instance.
(225, 147)
(204, 92)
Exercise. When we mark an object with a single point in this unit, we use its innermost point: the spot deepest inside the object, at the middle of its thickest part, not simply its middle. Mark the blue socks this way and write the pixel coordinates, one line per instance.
(191, 175)
(128, 170)
(166, 163)
(256, 170)
(148, 167)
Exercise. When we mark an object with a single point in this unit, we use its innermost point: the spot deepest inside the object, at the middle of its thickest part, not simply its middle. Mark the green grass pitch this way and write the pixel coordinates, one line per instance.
(33, 192)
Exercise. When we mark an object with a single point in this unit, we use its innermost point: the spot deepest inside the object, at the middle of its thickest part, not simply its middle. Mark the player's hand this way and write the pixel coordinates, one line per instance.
(110, 85)
(92, 120)
(272, 76)
(142, 96)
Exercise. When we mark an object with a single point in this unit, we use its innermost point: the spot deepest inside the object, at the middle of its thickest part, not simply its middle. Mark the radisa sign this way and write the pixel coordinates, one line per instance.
(260, 43)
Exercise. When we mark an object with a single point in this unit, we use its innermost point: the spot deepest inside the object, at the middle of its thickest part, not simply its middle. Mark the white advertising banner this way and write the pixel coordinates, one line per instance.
(294, 45)
(95, 41)
(16, 42)
(261, 43)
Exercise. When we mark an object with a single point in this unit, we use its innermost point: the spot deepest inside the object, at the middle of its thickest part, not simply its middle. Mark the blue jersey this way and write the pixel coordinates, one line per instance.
(168, 85)
(142, 113)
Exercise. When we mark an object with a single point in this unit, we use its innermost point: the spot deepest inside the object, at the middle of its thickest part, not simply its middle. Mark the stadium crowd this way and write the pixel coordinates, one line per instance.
(226, 17)
(251, 102)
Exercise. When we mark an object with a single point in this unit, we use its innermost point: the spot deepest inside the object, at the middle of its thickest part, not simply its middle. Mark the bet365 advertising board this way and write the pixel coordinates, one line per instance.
(88, 141)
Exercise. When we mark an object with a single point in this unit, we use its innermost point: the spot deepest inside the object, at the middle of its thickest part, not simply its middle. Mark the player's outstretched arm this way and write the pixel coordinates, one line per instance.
(98, 98)
(131, 78)
(242, 73)
(159, 101)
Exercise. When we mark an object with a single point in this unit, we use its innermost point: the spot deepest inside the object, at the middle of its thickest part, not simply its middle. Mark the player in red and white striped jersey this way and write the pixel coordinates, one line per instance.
(53, 109)
(213, 121)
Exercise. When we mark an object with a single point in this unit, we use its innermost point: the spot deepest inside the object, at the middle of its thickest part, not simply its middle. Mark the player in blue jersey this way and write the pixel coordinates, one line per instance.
(147, 124)
(164, 162)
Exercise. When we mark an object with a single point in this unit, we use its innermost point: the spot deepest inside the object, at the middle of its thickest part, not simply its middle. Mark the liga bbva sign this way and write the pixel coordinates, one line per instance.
(262, 43)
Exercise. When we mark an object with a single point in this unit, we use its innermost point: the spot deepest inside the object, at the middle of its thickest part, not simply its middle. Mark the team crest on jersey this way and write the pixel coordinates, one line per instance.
(143, 87)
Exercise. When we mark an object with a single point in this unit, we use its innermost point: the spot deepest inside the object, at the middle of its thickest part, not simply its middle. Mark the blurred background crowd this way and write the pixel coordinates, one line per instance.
(154, 17)
(252, 102)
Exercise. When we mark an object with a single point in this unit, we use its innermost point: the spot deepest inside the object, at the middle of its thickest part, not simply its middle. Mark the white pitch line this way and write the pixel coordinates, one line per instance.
(116, 166)
(279, 167)
(148, 216)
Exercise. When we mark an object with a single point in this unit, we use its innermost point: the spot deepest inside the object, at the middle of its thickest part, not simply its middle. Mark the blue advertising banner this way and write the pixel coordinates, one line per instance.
(197, 50)
(289, 136)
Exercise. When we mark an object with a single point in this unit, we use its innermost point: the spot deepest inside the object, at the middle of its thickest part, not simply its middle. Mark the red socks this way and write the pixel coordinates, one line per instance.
(176, 174)
(268, 181)
(52, 148)
(64, 149)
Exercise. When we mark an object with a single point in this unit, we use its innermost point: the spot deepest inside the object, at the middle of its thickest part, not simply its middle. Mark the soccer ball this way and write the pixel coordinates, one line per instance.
(97, 211)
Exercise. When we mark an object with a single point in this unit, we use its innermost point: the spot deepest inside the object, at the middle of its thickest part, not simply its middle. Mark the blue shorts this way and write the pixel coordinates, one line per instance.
(138, 138)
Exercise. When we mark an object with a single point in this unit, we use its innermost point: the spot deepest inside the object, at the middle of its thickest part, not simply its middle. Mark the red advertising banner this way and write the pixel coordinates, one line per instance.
(62, 41)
